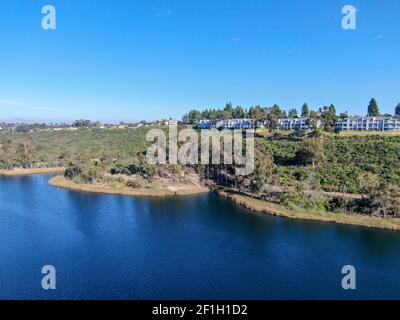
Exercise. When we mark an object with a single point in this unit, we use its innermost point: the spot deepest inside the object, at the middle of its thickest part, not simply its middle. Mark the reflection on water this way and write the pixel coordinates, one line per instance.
(198, 247)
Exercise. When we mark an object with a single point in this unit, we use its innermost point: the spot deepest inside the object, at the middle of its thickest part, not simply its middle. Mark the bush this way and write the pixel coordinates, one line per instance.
(72, 172)
(133, 184)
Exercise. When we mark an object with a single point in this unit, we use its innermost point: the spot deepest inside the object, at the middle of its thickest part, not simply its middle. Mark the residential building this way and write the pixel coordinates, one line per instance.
(300, 124)
(236, 124)
(369, 124)
(229, 124)
(207, 124)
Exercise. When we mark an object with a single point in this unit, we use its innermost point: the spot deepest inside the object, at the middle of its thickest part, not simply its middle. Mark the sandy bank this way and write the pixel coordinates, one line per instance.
(243, 200)
(341, 218)
(60, 181)
(27, 172)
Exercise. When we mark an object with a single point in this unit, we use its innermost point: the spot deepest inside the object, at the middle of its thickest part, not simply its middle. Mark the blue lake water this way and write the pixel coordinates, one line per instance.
(199, 247)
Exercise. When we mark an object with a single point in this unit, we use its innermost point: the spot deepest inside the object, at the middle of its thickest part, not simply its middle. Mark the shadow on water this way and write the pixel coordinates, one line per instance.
(180, 247)
(323, 237)
(375, 242)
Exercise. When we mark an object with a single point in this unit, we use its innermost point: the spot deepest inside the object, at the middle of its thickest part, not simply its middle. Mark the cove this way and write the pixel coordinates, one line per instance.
(196, 247)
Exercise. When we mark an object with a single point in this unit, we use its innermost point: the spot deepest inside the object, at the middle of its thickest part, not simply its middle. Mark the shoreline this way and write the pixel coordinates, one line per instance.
(61, 182)
(245, 201)
(28, 172)
(301, 214)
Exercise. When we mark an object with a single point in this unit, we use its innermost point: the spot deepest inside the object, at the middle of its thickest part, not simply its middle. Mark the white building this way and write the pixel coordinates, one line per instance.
(207, 124)
(369, 124)
(236, 124)
(227, 124)
(301, 124)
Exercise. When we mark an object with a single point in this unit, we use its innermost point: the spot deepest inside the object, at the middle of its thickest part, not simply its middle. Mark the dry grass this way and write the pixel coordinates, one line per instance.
(341, 218)
(368, 133)
(25, 172)
(60, 181)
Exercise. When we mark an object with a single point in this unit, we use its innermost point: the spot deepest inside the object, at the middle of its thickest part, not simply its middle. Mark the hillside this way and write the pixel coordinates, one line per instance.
(353, 174)
(62, 147)
(345, 159)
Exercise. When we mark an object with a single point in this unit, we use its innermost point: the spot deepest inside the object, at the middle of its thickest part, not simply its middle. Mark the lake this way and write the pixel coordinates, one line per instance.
(197, 247)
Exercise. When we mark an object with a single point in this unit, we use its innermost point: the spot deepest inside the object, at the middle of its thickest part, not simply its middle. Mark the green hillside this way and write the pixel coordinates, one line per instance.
(357, 174)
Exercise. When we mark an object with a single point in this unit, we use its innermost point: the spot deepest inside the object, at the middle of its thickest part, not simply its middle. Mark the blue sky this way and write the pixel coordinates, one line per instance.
(131, 60)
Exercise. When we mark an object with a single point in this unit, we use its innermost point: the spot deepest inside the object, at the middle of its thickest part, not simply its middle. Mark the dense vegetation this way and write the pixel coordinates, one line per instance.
(59, 148)
(363, 165)
(344, 160)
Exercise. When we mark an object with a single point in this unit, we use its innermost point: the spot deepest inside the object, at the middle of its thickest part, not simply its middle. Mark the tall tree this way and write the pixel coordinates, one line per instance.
(373, 108)
(213, 114)
(332, 109)
(26, 150)
(193, 117)
(305, 110)
(311, 151)
(330, 119)
(272, 116)
(256, 113)
(397, 110)
(314, 120)
(344, 115)
(276, 109)
(6, 154)
(228, 111)
(205, 114)
(293, 113)
(263, 166)
(386, 201)
(238, 113)
(271, 120)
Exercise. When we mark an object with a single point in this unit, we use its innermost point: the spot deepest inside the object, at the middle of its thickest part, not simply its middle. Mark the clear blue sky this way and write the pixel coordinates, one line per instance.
(148, 59)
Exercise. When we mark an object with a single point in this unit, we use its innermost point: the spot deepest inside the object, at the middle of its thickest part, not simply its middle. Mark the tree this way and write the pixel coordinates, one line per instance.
(263, 167)
(276, 109)
(314, 119)
(386, 200)
(329, 122)
(73, 171)
(213, 115)
(225, 115)
(238, 113)
(293, 113)
(271, 120)
(272, 116)
(82, 123)
(344, 115)
(332, 109)
(193, 117)
(397, 110)
(329, 119)
(227, 112)
(367, 183)
(6, 146)
(311, 151)
(256, 113)
(373, 108)
(26, 149)
(205, 114)
(305, 110)
(6, 151)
